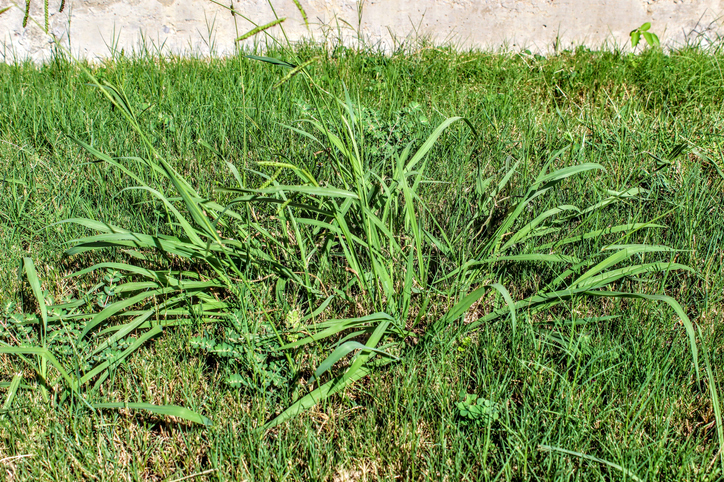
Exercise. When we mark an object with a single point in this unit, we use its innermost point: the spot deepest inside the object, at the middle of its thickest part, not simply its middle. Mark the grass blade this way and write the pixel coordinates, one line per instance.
(12, 390)
(32, 276)
(624, 471)
(317, 395)
(271, 60)
(342, 351)
(171, 410)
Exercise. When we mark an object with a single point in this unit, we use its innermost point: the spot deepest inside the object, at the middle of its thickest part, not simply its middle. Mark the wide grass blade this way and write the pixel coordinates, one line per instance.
(334, 327)
(170, 410)
(714, 393)
(32, 277)
(342, 351)
(271, 60)
(546, 300)
(12, 390)
(44, 354)
(319, 394)
(103, 367)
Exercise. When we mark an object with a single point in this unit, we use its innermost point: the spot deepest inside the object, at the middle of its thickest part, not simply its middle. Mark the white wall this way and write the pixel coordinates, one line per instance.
(194, 26)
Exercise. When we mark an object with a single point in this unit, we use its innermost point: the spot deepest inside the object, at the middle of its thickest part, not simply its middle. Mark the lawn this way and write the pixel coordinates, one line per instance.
(533, 291)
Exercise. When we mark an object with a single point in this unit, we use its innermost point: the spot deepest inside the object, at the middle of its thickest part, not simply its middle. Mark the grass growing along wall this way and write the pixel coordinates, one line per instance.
(623, 125)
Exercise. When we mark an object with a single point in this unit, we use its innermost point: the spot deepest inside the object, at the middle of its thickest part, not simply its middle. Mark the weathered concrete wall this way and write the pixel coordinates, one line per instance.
(92, 28)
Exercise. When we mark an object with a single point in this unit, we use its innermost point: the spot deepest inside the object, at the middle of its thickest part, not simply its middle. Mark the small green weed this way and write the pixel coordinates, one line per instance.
(643, 31)
(477, 411)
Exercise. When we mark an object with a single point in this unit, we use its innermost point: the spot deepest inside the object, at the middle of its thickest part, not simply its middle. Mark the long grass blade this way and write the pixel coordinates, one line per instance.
(12, 390)
(342, 351)
(169, 410)
(623, 470)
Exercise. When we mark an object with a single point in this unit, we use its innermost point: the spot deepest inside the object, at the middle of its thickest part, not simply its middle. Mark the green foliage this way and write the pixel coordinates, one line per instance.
(643, 31)
(477, 411)
(385, 138)
(366, 220)
(249, 355)
(545, 300)
(464, 344)
(57, 340)
(361, 225)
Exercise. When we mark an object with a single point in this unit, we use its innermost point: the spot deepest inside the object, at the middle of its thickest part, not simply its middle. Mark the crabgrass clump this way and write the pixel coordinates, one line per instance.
(366, 219)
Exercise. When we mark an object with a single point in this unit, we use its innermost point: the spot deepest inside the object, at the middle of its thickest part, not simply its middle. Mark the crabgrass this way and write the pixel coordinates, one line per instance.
(595, 388)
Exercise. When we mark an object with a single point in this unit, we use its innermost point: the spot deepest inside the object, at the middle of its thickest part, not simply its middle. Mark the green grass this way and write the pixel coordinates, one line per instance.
(593, 388)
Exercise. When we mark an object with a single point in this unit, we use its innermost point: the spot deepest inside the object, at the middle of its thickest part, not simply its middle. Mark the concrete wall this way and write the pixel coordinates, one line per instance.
(95, 27)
